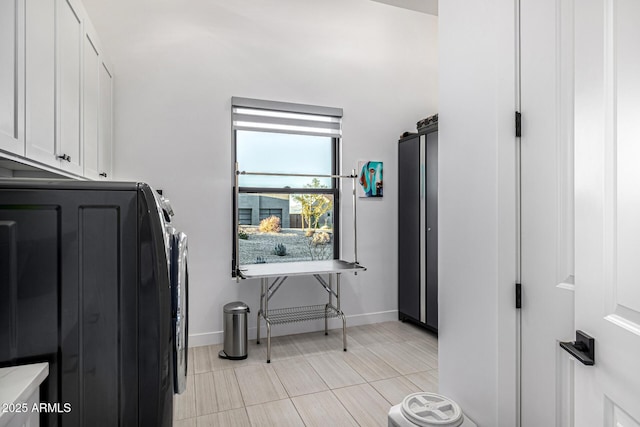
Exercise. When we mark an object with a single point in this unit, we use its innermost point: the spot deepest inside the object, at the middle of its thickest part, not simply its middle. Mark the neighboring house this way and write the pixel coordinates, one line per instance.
(254, 208)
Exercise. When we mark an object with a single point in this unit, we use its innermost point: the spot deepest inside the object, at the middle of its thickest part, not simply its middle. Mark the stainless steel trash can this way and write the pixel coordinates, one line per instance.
(235, 331)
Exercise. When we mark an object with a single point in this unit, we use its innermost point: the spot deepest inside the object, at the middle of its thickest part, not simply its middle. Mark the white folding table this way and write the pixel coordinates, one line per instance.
(272, 276)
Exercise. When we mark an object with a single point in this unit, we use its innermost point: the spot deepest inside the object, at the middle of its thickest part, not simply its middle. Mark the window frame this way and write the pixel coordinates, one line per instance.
(334, 191)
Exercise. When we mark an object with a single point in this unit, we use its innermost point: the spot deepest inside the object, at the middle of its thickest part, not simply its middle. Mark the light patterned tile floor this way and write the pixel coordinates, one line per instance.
(310, 380)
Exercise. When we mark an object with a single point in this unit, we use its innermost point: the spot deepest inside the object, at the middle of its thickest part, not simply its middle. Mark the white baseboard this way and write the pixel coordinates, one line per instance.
(217, 337)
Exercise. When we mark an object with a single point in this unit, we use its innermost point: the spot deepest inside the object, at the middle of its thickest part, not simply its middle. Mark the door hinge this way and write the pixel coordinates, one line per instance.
(518, 295)
(518, 124)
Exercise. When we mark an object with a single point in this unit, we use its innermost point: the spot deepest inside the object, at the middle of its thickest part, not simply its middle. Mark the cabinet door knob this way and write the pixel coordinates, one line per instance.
(103, 174)
(64, 157)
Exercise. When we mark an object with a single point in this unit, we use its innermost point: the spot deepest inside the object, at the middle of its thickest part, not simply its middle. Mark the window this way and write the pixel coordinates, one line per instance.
(265, 213)
(287, 203)
(244, 216)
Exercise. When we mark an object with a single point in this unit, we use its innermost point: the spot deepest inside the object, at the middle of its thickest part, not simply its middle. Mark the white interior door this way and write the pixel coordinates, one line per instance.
(607, 210)
(547, 256)
(580, 78)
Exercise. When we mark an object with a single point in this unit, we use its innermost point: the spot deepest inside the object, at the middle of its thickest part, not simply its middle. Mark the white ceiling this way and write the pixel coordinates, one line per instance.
(425, 6)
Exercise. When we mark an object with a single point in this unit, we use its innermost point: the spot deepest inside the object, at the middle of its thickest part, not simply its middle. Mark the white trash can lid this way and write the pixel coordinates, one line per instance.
(431, 409)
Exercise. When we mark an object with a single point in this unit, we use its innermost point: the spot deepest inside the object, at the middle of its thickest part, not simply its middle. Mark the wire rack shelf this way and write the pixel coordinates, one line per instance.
(301, 314)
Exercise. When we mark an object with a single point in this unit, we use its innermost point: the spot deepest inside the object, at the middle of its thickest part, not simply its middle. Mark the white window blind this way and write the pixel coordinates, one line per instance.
(284, 117)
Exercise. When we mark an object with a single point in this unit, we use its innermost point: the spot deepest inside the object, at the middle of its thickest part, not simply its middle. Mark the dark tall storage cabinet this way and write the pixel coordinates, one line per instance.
(418, 228)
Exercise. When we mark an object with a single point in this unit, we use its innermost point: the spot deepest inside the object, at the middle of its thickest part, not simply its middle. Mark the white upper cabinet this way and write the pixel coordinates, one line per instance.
(91, 101)
(69, 103)
(11, 69)
(97, 109)
(40, 87)
(55, 89)
(105, 125)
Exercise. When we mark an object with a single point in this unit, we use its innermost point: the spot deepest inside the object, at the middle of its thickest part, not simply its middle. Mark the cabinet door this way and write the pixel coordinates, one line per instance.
(11, 67)
(90, 107)
(432, 229)
(69, 54)
(40, 81)
(76, 296)
(105, 125)
(409, 192)
(105, 335)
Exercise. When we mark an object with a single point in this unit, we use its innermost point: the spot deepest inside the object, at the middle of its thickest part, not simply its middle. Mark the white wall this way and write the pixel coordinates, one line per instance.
(177, 65)
(477, 209)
